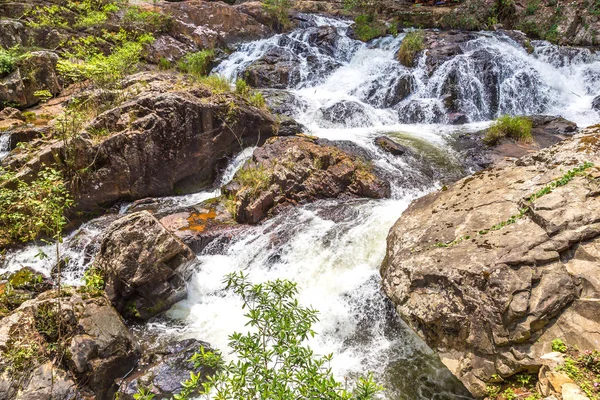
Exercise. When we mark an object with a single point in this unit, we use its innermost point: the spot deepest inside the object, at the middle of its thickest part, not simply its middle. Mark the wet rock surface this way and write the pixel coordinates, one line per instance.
(163, 370)
(546, 131)
(488, 296)
(287, 171)
(144, 265)
(100, 348)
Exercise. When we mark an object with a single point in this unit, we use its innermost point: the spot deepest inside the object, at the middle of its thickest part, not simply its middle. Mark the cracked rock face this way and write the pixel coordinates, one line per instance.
(491, 300)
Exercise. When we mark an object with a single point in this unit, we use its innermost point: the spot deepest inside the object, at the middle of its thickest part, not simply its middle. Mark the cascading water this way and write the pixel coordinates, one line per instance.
(4, 145)
(344, 90)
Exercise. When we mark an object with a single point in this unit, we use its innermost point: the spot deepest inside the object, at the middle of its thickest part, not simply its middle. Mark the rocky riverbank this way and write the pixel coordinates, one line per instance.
(491, 269)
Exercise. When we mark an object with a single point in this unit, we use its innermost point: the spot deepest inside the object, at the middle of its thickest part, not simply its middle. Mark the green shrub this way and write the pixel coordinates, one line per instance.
(9, 59)
(94, 282)
(28, 209)
(137, 19)
(559, 345)
(532, 7)
(105, 71)
(517, 128)
(256, 178)
(279, 10)
(164, 64)
(242, 88)
(217, 83)
(411, 45)
(257, 100)
(367, 28)
(197, 64)
(272, 360)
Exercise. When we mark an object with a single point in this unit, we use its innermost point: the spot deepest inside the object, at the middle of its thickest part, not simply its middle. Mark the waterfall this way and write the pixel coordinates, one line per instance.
(4, 145)
(351, 91)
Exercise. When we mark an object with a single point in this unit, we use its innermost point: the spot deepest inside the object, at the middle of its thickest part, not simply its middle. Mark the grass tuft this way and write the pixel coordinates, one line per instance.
(412, 44)
(517, 128)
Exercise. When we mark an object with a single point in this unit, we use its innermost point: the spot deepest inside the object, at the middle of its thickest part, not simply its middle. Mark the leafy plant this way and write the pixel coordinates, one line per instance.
(517, 128)
(29, 209)
(106, 71)
(366, 27)
(43, 95)
(8, 59)
(272, 361)
(197, 64)
(140, 20)
(559, 345)
(164, 64)
(217, 83)
(411, 45)
(94, 282)
(255, 177)
(279, 10)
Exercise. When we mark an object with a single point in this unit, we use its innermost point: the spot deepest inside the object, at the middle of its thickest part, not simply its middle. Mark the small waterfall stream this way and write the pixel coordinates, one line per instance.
(351, 91)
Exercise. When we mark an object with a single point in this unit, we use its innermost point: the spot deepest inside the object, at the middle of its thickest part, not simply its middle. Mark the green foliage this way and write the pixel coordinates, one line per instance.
(517, 128)
(272, 361)
(559, 345)
(584, 369)
(254, 177)
(29, 209)
(9, 59)
(278, 10)
(244, 90)
(197, 64)
(138, 20)
(257, 100)
(552, 34)
(84, 14)
(366, 27)
(105, 71)
(19, 356)
(411, 45)
(43, 95)
(218, 83)
(562, 181)
(94, 282)
(144, 394)
(47, 321)
(532, 7)
(164, 64)
(509, 394)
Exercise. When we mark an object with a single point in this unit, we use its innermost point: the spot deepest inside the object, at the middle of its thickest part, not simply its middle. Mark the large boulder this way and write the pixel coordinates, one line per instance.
(34, 73)
(171, 137)
(144, 265)
(86, 334)
(163, 371)
(488, 275)
(290, 170)
(208, 24)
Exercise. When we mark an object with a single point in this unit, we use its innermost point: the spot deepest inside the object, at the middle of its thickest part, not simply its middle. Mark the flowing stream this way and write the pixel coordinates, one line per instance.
(346, 90)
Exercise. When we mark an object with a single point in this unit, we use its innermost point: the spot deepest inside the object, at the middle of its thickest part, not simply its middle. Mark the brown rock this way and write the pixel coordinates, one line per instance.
(145, 266)
(291, 170)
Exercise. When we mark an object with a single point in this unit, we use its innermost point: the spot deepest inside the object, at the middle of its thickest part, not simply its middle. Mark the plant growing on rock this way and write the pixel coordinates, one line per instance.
(559, 345)
(517, 128)
(30, 209)
(273, 361)
(279, 10)
(411, 45)
(197, 64)
(366, 27)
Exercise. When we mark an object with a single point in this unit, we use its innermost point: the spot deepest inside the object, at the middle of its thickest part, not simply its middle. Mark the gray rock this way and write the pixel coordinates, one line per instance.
(166, 370)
